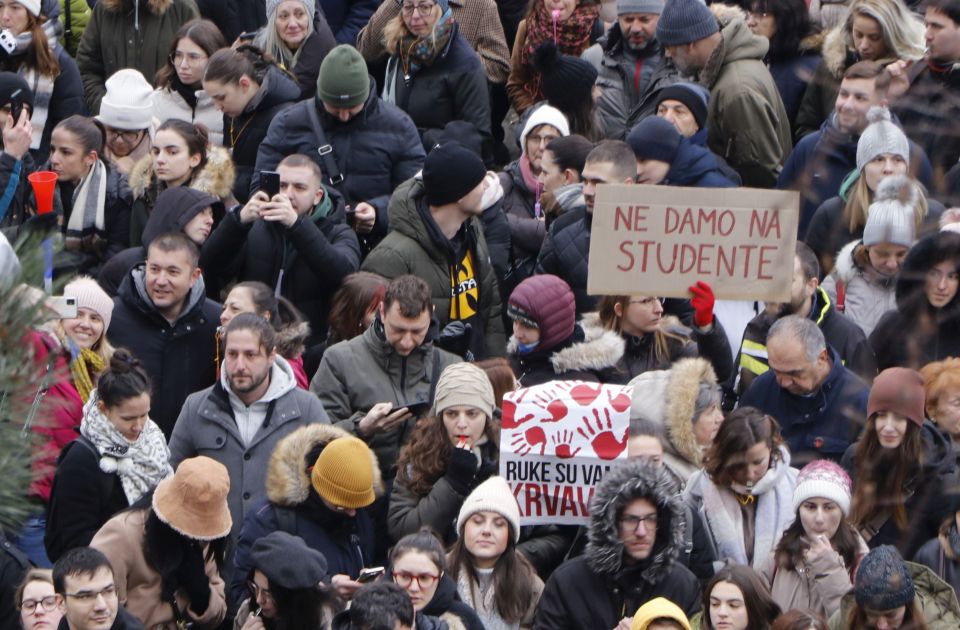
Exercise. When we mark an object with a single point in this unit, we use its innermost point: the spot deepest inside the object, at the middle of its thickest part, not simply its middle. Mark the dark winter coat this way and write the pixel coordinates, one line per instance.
(452, 87)
(821, 161)
(585, 356)
(244, 134)
(376, 150)
(82, 499)
(526, 231)
(820, 97)
(792, 77)
(307, 261)
(314, 49)
(179, 357)
(293, 506)
(624, 98)
(599, 588)
(565, 254)
(821, 426)
(17, 203)
(447, 606)
(125, 621)
(412, 248)
(347, 17)
(942, 555)
(128, 34)
(696, 166)
(13, 566)
(924, 491)
(185, 204)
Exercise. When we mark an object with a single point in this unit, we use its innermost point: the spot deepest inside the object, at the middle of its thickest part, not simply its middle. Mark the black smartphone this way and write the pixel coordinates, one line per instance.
(369, 575)
(247, 37)
(15, 108)
(418, 409)
(350, 215)
(270, 182)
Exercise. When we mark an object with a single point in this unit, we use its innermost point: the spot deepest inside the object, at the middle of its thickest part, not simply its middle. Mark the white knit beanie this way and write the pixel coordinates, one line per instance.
(823, 479)
(881, 136)
(544, 115)
(33, 6)
(493, 495)
(128, 103)
(890, 218)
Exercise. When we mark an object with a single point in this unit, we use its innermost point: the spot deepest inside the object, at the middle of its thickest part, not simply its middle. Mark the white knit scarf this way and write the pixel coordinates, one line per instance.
(482, 602)
(141, 465)
(42, 86)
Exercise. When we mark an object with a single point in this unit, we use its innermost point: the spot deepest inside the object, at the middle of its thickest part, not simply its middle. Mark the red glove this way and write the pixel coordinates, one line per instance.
(702, 302)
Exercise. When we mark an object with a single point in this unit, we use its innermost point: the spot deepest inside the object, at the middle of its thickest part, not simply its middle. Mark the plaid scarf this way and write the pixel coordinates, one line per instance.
(416, 52)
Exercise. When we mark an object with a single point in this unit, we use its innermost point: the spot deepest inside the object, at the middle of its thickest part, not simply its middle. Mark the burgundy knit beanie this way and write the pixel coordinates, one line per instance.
(548, 301)
(899, 390)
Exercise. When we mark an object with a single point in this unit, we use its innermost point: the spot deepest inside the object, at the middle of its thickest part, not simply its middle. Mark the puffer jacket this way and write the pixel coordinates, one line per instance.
(868, 295)
(128, 34)
(599, 588)
(942, 555)
(585, 356)
(625, 99)
(173, 217)
(696, 166)
(307, 261)
(293, 506)
(817, 586)
(935, 598)
(452, 87)
(387, 377)
(748, 125)
(277, 92)
(412, 248)
(217, 178)
(376, 150)
(169, 104)
(794, 73)
(924, 491)
(74, 24)
(565, 254)
(526, 231)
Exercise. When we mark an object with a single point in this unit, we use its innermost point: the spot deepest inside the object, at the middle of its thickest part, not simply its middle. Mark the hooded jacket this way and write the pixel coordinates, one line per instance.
(128, 34)
(416, 246)
(696, 166)
(868, 294)
(584, 356)
(599, 588)
(930, 112)
(179, 357)
(293, 506)
(748, 124)
(376, 150)
(307, 261)
(822, 425)
(184, 204)
(942, 555)
(926, 509)
(935, 598)
(820, 99)
(387, 377)
(625, 98)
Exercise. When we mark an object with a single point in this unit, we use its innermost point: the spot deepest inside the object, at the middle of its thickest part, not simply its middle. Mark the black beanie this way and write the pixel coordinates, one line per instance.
(566, 81)
(14, 89)
(693, 96)
(450, 172)
(655, 138)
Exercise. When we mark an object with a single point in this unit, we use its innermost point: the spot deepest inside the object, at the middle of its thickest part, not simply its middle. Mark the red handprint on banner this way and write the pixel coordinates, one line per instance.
(604, 441)
(526, 442)
(555, 407)
(585, 394)
(508, 417)
(563, 441)
(620, 402)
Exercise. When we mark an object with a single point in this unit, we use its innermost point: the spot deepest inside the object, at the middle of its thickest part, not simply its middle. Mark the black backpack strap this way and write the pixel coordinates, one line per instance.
(330, 167)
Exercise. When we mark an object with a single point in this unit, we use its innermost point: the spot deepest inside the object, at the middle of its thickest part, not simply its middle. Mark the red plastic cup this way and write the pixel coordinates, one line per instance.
(43, 183)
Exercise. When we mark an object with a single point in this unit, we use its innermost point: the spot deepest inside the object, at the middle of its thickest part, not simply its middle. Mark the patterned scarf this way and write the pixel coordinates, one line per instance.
(141, 465)
(86, 223)
(42, 86)
(572, 36)
(84, 364)
(418, 52)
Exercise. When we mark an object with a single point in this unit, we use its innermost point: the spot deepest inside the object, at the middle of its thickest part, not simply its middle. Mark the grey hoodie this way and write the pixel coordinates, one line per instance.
(250, 419)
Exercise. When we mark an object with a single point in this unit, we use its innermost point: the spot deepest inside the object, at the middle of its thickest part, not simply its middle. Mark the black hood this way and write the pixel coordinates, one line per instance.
(175, 207)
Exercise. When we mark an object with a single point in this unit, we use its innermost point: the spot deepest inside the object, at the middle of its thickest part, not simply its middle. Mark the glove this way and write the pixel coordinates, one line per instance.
(702, 303)
(461, 469)
(192, 575)
(455, 338)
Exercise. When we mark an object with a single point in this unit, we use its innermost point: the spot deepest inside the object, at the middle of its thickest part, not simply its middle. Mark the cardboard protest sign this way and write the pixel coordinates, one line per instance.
(659, 240)
(557, 440)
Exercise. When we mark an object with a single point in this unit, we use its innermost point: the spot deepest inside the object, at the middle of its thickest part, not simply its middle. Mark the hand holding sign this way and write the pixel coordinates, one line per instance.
(702, 303)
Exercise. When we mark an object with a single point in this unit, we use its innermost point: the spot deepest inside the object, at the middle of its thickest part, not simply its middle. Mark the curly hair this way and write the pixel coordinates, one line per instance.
(744, 428)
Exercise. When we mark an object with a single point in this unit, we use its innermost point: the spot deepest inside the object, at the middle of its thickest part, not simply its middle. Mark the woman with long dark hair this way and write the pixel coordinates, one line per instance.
(167, 552)
(737, 599)
(902, 466)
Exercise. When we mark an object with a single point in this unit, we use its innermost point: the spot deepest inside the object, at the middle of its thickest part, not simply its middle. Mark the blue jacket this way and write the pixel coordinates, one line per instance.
(821, 426)
(696, 165)
(347, 17)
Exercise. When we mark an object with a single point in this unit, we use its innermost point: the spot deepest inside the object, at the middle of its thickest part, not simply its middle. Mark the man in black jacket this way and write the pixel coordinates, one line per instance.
(635, 538)
(298, 241)
(162, 315)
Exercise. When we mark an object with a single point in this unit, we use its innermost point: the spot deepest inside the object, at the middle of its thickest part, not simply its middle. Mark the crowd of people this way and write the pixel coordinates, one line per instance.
(308, 247)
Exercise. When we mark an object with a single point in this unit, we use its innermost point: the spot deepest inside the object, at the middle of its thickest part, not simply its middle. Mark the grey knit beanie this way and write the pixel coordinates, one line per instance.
(890, 218)
(881, 136)
(883, 581)
(625, 7)
(684, 22)
(272, 5)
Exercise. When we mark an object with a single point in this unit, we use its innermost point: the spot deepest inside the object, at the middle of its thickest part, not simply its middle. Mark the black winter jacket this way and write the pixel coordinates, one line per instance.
(565, 254)
(446, 603)
(315, 49)
(376, 150)
(244, 134)
(313, 256)
(698, 167)
(526, 231)
(180, 357)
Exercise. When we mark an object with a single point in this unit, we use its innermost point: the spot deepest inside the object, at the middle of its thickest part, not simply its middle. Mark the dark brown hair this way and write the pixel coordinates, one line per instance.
(800, 620)
(883, 473)
(194, 135)
(912, 618)
(123, 379)
(501, 377)
(176, 242)
(424, 541)
(793, 543)
(870, 70)
(204, 34)
(761, 609)
(88, 131)
(423, 460)
(743, 429)
(412, 293)
(360, 293)
(228, 65)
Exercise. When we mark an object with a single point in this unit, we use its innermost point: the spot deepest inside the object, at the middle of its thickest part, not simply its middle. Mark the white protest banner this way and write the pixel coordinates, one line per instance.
(659, 240)
(557, 440)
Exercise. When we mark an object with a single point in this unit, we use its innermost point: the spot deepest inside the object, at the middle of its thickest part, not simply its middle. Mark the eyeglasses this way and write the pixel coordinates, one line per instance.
(256, 590)
(629, 522)
(192, 59)
(541, 139)
(424, 580)
(647, 301)
(130, 137)
(424, 8)
(29, 606)
(88, 597)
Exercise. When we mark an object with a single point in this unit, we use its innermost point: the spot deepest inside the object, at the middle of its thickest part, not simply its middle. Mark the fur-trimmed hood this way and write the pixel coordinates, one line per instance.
(157, 7)
(287, 481)
(600, 349)
(291, 339)
(215, 178)
(621, 485)
(835, 52)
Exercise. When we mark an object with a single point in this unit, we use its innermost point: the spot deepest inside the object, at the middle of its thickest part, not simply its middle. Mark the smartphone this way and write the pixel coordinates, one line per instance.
(65, 307)
(418, 409)
(247, 37)
(270, 182)
(351, 215)
(369, 575)
(16, 106)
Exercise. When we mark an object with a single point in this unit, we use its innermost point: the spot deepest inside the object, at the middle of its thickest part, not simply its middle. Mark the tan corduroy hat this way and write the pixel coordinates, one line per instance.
(343, 474)
(194, 500)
